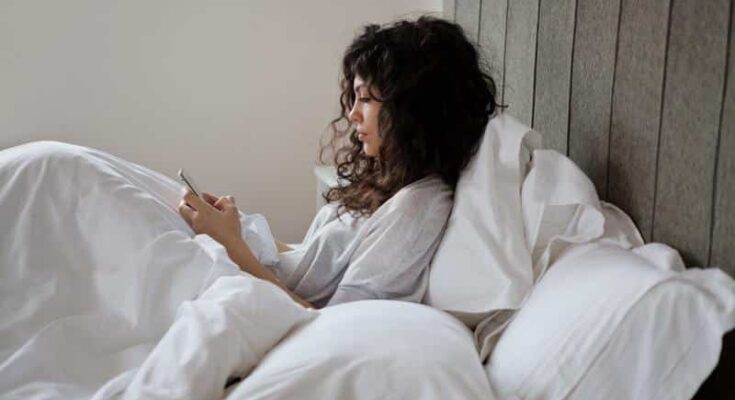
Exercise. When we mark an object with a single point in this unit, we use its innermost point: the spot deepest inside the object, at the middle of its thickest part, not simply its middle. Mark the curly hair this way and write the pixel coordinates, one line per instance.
(436, 100)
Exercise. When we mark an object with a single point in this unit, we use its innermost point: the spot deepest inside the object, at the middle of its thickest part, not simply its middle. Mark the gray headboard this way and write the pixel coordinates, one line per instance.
(639, 93)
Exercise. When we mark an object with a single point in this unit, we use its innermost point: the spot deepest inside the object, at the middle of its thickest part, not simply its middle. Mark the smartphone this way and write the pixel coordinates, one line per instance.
(188, 182)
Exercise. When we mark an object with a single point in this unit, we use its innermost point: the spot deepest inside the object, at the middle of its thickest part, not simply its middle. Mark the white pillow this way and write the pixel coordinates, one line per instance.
(372, 349)
(610, 323)
(482, 263)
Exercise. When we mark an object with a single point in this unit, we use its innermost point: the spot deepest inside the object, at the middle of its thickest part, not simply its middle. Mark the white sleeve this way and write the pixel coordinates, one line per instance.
(392, 260)
(325, 214)
(257, 234)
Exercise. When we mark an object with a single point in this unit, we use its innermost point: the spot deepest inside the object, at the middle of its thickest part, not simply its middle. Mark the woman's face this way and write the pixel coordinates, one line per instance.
(364, 114)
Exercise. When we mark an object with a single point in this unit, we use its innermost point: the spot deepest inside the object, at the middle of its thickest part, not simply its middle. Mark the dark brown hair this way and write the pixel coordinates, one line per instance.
(436, 103)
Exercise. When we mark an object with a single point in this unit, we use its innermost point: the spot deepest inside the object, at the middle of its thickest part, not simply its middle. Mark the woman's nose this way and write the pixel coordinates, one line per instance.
(354, 114)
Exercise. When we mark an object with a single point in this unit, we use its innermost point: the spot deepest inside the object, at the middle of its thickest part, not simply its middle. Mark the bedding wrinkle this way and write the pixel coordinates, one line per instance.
(28, 292)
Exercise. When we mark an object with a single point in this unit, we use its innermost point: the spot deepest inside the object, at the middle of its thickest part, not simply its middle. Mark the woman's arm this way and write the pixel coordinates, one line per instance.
(282, 247)
(241, 254)
(219, 218)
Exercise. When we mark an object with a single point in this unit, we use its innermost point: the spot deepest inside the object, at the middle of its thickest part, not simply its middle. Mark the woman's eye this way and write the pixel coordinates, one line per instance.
(364, 99)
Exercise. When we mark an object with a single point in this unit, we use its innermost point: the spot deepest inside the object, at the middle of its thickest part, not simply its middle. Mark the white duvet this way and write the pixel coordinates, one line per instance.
(96, 265)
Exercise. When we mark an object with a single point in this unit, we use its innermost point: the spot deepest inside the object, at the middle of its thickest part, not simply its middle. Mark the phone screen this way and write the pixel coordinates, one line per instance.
(188, 182)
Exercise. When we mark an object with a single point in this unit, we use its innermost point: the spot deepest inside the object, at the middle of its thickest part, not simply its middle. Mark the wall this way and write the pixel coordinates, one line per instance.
(239, 93)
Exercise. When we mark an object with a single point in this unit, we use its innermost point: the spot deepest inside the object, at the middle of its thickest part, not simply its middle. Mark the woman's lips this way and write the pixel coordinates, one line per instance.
(361, 136)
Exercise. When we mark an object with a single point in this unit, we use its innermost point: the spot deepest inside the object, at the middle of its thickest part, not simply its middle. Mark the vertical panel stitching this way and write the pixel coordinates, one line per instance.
(479, 23)
(661, 120)
(612, 99)
(505, 48)
(535, 63)
(571, 74)
(719, 136)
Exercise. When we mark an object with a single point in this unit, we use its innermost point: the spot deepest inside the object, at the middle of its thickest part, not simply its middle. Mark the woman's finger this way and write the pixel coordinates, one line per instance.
(222, 201)
(186, 212)
(209, 198)
(194, 201)
(230, 208)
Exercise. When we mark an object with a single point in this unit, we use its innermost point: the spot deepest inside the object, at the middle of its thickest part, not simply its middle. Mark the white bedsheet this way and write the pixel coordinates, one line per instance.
(94, 264)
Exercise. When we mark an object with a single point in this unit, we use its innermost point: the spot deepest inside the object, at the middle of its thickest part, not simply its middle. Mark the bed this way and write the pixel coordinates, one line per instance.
(565, 271)
(108, 294)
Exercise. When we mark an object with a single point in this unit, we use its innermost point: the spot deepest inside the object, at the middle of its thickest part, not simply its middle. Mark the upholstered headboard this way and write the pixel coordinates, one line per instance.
(639, 93)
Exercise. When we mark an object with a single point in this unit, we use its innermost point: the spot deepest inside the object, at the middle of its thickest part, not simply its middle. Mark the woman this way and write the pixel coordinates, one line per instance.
(415, 102)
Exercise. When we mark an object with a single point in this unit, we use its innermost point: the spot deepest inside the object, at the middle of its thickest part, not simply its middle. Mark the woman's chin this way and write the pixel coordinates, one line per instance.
(368, 150)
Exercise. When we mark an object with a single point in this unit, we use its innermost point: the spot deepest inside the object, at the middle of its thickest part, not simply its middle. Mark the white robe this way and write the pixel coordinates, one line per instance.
(384, 256)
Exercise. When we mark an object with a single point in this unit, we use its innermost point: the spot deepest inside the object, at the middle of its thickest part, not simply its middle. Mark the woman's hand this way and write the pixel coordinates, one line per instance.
(216, 217)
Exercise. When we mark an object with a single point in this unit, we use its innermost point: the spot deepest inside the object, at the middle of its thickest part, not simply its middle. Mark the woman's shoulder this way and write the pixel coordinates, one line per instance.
(429, 194)
(334, 212)
(429, 188)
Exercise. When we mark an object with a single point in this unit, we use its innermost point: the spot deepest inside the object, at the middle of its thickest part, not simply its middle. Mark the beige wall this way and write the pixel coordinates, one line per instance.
(238, 92)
